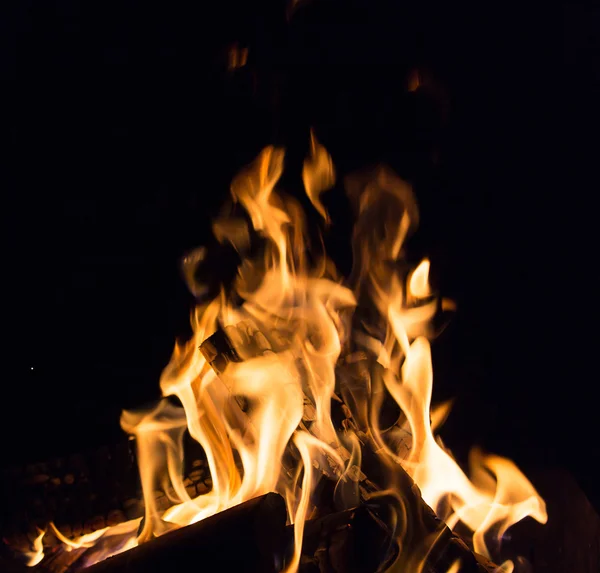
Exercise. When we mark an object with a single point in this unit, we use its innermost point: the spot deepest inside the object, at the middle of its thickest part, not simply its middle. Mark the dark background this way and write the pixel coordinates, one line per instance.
(123, 128)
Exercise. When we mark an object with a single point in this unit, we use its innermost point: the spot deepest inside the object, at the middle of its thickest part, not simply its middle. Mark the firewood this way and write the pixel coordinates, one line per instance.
(358, 541)
(424, 525)
(219, 351)
(242, 342)
(351, 541)
(248, 537)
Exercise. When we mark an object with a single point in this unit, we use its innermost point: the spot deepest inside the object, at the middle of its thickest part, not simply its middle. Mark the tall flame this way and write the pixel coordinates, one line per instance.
(305, 339)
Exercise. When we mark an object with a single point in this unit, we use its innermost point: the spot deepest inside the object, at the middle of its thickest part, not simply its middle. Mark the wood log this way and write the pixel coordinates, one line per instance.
(351, 541)
(423, 526)
(219, 351)
(248, 537)
(358, 541)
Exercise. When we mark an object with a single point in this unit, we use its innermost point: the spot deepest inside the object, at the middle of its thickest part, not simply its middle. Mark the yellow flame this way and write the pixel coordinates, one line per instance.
(506, 567)
(86, 540)
(419, 280)
(36, 554)
(265, 420)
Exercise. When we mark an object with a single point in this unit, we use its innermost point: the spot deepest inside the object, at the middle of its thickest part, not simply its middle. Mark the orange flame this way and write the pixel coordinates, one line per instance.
(318, 174)
(237, 57)
(293, 329)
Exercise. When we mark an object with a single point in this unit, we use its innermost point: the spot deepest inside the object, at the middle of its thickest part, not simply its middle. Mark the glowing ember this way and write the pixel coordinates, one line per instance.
(307, 340)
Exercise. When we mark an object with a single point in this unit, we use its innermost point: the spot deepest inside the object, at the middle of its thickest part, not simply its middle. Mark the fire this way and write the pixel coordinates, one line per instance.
(36, 554)
(304, 340)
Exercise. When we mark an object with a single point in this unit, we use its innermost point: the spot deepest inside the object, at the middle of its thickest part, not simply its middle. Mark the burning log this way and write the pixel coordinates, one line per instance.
(247, 537)
(426, 538)
(351, 541)
(330, 541)
(358, 541)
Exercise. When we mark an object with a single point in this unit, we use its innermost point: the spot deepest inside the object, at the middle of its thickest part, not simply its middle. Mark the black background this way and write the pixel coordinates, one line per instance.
(123, 129)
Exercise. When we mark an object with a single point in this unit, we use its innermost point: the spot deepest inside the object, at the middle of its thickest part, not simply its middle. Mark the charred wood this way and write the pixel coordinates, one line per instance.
(352, 541)
(359, 541)
(248, 537)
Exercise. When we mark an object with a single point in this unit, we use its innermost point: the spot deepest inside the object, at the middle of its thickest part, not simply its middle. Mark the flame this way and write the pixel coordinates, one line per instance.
(318, 174)
(237, 57)
(85, 540)
(303, 338)
(414, 80)
(36, 554)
